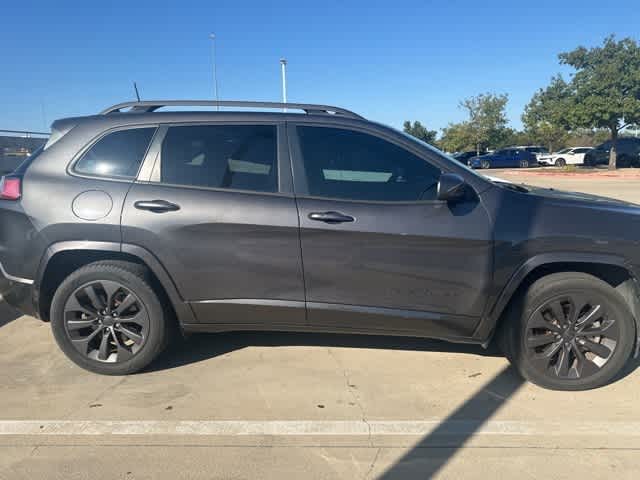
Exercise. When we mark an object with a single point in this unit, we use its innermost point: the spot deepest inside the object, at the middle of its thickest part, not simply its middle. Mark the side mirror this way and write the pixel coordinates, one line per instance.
(451, 187)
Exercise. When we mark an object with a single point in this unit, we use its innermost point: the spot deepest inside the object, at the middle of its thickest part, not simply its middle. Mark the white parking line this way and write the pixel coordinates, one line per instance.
(305, 428)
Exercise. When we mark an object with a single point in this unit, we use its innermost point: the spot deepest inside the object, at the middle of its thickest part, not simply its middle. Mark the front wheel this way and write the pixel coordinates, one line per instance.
(560, 162)
(524, 163)
(485, 164)
(107, 318)
(569, 331)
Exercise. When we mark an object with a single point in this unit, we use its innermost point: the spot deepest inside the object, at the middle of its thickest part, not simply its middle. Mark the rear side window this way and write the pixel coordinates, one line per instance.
(239, 157)
(353, 165)
(117, 154)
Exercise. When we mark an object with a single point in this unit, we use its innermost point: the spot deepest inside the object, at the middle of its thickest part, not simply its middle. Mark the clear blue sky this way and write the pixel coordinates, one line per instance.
(390, 61)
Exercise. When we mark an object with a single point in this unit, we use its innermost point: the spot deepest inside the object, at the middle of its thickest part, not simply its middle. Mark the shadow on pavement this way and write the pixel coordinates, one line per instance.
(201, 347)
(435, 450)
(7, 313)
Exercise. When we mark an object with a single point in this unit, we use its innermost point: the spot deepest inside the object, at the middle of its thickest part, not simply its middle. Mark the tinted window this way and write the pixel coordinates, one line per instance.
(118, 154)
(352, 165)
(240, 157)
(580, 150)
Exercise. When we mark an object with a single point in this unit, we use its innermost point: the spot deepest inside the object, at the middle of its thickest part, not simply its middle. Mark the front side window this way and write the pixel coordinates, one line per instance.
(117, 154)
(242, 157)
(352, 165)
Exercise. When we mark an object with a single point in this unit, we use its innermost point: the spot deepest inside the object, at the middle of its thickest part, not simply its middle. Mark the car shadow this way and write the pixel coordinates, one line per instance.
(204, 346)
(7, 313)
(434, 451)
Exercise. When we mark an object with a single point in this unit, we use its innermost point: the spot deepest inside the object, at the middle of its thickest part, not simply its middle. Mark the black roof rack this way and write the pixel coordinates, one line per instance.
(152, 105)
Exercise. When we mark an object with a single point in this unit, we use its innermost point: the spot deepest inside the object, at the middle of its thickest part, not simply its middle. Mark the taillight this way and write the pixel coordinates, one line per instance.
(10, 188)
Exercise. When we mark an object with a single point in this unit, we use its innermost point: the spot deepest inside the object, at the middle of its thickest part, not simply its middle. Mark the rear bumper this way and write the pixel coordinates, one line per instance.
(17, 292)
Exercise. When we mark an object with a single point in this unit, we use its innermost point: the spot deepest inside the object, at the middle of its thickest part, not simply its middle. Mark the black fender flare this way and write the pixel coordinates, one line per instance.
(182, 308)
(486, 327)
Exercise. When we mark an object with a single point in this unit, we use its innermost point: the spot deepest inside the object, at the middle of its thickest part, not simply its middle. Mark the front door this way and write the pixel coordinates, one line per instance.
(215, 213)
(380, 253)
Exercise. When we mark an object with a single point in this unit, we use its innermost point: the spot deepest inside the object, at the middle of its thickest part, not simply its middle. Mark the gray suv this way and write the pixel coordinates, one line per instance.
(134, 224)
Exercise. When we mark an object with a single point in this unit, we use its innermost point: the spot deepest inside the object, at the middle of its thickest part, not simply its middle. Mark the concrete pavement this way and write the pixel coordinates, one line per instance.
(267, 405)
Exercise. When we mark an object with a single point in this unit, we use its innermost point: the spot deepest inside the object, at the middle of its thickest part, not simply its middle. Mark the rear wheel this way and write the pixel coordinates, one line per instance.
(560, 162)
(108, 319)
(524, 163)
(569, 331)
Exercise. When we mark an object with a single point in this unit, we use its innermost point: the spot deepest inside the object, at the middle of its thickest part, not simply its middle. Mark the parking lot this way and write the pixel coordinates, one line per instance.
(268, 405)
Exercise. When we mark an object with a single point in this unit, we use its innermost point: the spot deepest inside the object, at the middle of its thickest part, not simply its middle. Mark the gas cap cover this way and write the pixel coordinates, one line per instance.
(92, 205)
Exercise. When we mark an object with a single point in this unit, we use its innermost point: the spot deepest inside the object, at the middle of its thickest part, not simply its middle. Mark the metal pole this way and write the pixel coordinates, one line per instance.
(283, 63)
(212, 36)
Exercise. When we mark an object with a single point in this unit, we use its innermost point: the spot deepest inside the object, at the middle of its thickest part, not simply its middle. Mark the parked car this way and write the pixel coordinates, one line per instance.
(463, 157)
(627, 151)
(566, 156)
(537, 150)
(321, 222)
(505, 158)
(11, 158)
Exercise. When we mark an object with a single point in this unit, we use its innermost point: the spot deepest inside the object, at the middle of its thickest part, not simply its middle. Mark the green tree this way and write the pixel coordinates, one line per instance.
(457, 137)
(545, 117)
(487, 119)
(420, 131)
(515, 137)
(605, 89)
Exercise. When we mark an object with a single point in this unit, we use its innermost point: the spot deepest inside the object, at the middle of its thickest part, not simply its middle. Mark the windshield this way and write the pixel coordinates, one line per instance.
(564, 150)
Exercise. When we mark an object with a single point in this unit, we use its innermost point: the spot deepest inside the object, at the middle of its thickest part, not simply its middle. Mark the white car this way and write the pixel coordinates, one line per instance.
(567, 156)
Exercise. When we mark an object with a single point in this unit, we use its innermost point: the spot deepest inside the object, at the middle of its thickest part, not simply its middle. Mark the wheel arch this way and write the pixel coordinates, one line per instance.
(611, 269)
(62, 258)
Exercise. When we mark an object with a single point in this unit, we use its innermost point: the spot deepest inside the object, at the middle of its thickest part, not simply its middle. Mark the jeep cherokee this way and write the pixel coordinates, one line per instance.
(135, 221)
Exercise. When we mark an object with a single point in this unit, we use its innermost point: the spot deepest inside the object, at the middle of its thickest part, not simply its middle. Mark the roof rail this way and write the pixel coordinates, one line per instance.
(152, 105)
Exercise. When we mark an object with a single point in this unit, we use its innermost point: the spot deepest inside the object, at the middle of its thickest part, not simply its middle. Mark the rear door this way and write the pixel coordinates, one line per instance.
(213, 203)
(380, 253)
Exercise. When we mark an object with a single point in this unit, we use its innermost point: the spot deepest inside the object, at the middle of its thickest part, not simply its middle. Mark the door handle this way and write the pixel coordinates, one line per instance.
(156, 206)
(331, 217)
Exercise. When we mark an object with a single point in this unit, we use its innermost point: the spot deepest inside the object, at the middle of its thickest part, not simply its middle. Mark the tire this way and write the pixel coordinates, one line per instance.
(524, 163)
(560, 162)
(605, 311)
(136, 331)
(485, 164)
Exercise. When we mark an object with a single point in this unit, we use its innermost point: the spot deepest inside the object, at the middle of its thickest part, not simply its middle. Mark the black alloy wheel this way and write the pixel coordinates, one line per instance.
(106, 321)
(572, 336)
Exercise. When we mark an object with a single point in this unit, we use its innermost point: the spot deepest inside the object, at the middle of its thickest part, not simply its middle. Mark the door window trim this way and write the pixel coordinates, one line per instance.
(151, 168)
(301, 187)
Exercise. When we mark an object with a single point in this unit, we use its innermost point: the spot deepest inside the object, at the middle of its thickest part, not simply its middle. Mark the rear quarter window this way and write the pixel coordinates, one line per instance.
(117, 154)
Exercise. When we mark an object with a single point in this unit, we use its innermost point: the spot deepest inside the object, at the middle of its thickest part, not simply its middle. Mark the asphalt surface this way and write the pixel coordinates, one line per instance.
(268, 405)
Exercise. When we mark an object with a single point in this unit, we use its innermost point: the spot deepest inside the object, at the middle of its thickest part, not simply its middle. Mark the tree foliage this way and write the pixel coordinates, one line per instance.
(545, 117)
(457, 137)
(486, 126)
(420, 131)
(487, 118)
(605, 89)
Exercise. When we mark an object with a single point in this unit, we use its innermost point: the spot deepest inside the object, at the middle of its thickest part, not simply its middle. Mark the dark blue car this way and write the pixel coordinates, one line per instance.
(505, 158)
